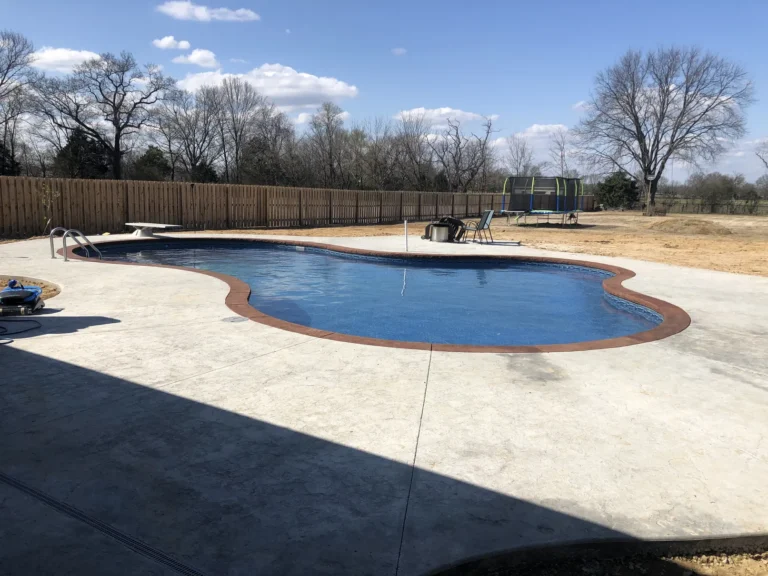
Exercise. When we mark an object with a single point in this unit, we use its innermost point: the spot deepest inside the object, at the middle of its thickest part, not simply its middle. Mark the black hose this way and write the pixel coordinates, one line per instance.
(5, 332)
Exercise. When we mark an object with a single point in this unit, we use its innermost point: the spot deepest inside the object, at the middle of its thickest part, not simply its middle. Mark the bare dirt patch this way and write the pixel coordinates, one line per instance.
(714, 564)
(627, 234)
(690, 226)
(49, 288)
(725, 564)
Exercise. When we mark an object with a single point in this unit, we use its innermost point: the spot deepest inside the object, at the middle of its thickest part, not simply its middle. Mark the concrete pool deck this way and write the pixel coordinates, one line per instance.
(147, 429)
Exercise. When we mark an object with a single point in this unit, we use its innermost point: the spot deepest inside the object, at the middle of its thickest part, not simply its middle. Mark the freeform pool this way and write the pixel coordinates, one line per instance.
(475, 302)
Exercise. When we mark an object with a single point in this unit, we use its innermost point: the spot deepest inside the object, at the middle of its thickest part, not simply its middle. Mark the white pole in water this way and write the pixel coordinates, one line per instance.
(406, 235)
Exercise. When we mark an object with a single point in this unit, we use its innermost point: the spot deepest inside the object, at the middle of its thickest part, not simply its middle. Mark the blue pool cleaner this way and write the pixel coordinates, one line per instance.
(19, 299)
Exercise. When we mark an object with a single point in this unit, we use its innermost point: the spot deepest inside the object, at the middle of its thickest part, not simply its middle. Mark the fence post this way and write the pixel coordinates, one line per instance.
(301, 207)
(401, 204)
(357, 206)
(126, 211)
(195, 205)
(466, 197)
(381, 206)
(453, 205)
(437, 205)
(330, 207)
(419, 206)
(229, 207)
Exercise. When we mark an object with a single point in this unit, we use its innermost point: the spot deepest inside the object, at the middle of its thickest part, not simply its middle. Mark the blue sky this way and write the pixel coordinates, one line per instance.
(527, 62)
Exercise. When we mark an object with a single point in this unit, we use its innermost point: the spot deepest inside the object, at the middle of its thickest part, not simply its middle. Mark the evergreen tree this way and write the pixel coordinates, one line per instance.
(82, 157)
(152, 165)
(203, 173)
(617, 191)
(8, 164)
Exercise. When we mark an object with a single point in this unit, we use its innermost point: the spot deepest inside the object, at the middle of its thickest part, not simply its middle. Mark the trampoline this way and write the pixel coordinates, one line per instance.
(543, 197)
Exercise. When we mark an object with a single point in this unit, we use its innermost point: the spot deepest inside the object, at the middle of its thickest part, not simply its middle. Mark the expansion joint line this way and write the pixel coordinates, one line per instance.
(129, 541)
(413, 466)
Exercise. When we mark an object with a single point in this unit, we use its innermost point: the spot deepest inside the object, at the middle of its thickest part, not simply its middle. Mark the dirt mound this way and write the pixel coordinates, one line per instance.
(49, 288)
(690, 226)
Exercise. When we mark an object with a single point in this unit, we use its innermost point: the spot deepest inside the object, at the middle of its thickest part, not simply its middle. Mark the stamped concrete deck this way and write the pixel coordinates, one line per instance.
(146, 429)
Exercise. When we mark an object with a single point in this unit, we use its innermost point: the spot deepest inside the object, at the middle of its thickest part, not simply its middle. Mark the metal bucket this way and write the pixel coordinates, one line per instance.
(440, 233)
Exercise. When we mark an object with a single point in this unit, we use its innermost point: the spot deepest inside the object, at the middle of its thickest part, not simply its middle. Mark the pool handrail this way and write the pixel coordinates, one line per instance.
(51, 236)
(71, 233)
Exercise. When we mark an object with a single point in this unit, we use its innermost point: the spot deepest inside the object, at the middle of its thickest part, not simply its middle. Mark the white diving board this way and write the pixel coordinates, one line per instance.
(147, 229)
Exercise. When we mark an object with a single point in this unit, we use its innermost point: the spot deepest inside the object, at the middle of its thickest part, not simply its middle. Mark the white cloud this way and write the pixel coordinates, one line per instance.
(440, 116)
(186, 10)
(61, 59)
(399, 51)
(287, 30)
(580, 106)
(170, 43)
(238, 61)
(542, 130)
(304, 118)
(204, 58)
(286, 87)
(740, 158)
(499, 143)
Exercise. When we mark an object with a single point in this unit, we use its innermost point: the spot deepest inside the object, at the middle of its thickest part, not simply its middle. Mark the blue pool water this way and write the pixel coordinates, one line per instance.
(480, 302)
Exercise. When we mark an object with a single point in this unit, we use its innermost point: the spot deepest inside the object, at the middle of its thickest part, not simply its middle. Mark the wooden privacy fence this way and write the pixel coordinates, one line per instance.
(96, 206)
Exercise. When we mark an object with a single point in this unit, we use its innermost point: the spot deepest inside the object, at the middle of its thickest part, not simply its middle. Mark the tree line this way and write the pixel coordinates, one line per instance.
(112, 118)
(714, 190)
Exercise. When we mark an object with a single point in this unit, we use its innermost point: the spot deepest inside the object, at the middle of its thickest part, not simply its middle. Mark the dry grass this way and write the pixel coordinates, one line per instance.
(725, 564)
(697, 240)
(49, 289)
(715, 564)
(690, 226)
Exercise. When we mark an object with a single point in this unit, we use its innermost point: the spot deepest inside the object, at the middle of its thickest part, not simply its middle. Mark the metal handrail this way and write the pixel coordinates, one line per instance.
(50, 237)
(71, 233)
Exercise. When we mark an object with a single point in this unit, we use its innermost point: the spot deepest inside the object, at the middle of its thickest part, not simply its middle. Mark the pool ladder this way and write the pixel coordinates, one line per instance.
(72, 233)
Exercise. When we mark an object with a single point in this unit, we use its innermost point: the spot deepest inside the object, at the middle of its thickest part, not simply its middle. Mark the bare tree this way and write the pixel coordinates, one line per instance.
(671, 103)
(186, 123)
(413, 155)
(109, 98)
(519, 158)
(35, 157)
(266, 157)
(559, 143)
(163, 135)
(15, 61)
(326, 133)
(762, 153)
(379, 154)
(460, 157)
(12, 107)
(240, 104)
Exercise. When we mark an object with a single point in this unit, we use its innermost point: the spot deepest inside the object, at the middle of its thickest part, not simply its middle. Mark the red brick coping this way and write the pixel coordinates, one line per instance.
(675, 319)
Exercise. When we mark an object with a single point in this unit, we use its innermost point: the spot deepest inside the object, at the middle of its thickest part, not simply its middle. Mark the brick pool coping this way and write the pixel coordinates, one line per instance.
(675, 319)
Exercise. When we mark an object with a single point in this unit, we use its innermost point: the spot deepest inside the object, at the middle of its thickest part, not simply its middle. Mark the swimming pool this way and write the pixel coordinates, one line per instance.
(460, 301)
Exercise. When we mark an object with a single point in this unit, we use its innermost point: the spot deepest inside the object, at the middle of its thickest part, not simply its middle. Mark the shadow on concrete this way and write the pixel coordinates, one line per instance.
(43, 322)
(99, 475)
